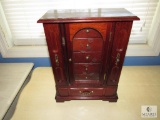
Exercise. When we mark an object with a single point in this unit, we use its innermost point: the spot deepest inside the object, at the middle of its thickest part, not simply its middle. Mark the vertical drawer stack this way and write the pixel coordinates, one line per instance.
(87, 54)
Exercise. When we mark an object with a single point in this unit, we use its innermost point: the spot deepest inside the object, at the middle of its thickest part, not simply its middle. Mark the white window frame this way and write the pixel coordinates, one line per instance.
(152, 48)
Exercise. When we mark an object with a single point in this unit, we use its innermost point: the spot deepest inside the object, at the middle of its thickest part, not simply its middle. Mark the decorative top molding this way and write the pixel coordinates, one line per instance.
(89, 15)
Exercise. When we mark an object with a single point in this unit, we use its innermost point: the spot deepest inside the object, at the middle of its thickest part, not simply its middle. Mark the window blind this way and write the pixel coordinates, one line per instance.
(22, 16)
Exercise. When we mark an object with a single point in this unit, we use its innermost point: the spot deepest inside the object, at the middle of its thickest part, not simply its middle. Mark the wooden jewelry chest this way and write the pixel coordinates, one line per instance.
(87, 50)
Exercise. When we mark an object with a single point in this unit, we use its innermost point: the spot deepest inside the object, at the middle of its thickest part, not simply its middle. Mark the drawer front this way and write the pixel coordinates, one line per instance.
(85, 92)
(91, 44)
(87, 76)
(80, 68)
(88, 33)
(95, 29)
(89, 57)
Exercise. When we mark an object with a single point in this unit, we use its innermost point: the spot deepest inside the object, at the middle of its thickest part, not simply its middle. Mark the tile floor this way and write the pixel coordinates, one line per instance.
(138, 86)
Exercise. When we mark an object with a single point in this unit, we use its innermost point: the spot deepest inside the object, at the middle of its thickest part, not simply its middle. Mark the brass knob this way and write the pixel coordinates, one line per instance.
(87, 57)
(87, 45)
(70, 59)
(86, 68)
(86, 77)
(87, 31)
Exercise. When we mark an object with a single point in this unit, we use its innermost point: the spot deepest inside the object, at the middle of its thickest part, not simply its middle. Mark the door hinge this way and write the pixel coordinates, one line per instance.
(56, 60)
(117, 59)
(63, 41)
(105, 76)
(110, 36)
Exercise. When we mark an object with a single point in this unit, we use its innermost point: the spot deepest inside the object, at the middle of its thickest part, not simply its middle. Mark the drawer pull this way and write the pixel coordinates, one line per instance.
(87, 57)
(87, 31)
(86, 77)
(86, 93)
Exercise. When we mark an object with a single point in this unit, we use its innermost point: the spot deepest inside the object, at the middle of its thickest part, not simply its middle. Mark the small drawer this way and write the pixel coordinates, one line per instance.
(86, 92)
(87, 33)
(86, 76)
(80, 68)
(89, 57)
(108, 91)
(90, 44)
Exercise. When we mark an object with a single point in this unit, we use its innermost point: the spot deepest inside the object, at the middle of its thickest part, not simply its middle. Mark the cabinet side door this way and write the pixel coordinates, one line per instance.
(88, 51)
(53, 38)
(120, 42)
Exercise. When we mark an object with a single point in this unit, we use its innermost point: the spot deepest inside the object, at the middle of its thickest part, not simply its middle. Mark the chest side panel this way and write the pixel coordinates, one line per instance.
(120, 42)
(53, 38)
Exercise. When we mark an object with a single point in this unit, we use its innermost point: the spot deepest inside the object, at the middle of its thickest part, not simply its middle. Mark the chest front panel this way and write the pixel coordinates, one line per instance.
(87, 58)
(85, 44)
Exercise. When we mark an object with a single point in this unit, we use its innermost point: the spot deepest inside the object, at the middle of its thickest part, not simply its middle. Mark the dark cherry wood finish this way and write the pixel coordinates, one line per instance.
(87, 50)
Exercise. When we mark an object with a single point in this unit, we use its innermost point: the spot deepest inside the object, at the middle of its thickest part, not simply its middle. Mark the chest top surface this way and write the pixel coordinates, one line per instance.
(87, 15)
